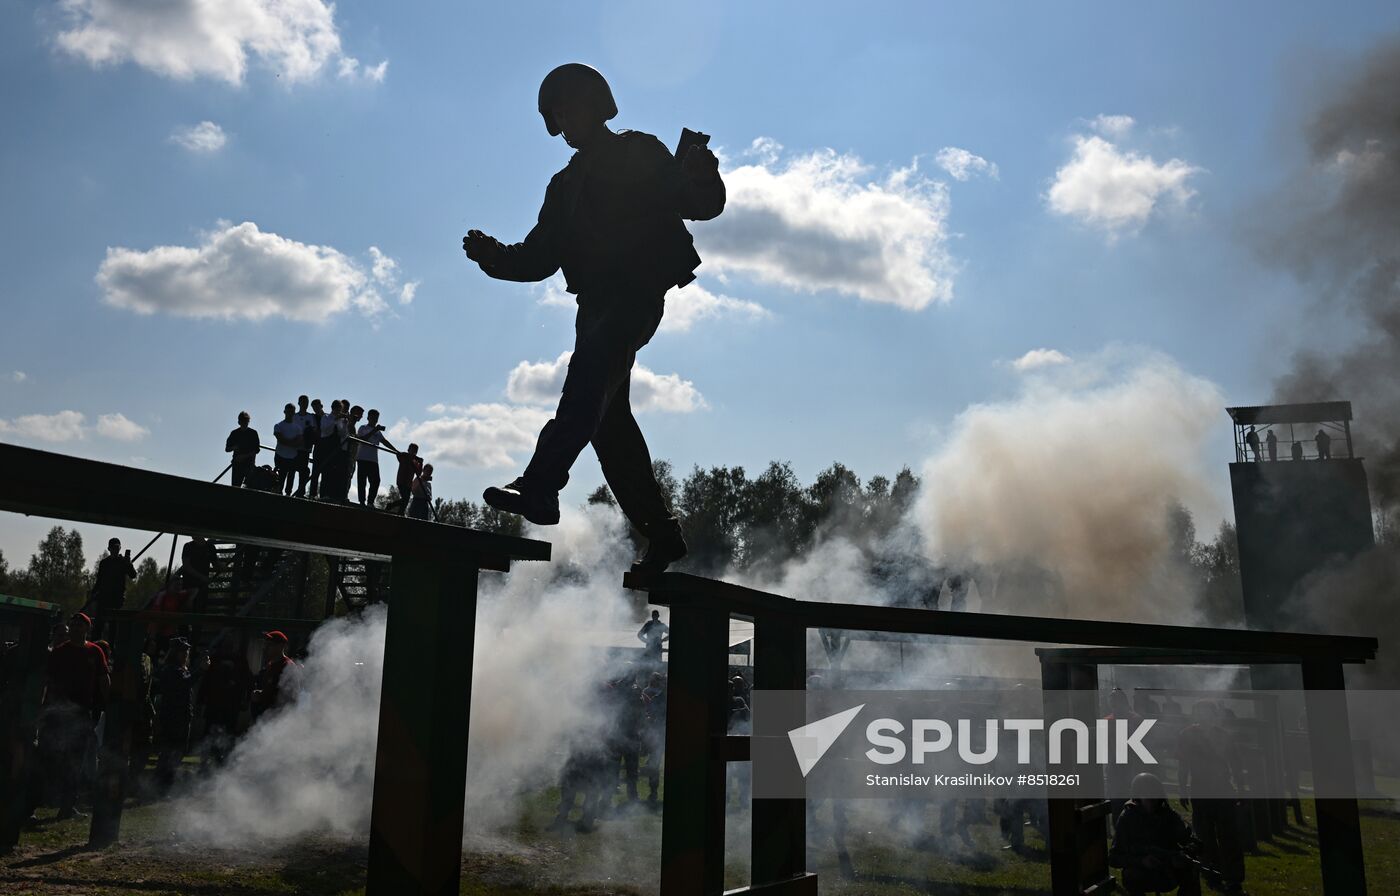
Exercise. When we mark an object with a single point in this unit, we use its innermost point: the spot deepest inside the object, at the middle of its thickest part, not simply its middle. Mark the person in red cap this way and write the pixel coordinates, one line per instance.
(74, 695)
(277, 666)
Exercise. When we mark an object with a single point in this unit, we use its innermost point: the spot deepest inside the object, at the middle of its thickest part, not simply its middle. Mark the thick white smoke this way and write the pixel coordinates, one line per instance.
(309, 768)
(1074, 480)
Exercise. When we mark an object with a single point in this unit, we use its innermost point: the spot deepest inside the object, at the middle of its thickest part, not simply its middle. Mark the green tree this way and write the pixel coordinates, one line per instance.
(713, 506)
(777, 525)
(58, 571)
(1221, 593)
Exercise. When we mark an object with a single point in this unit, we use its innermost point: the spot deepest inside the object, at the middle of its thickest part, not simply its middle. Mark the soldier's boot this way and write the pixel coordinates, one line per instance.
(665, 545)
(539, 506)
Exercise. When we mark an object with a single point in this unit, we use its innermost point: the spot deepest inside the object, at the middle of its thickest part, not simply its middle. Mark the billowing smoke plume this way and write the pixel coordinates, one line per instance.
(537, 673)
(1067, 490)
(1336, 225)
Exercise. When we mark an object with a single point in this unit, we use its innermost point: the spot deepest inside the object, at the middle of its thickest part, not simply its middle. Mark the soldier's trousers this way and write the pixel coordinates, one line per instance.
(611, 327)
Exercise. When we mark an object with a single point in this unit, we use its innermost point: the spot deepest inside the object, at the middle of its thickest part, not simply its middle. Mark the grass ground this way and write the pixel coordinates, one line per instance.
(620, 858)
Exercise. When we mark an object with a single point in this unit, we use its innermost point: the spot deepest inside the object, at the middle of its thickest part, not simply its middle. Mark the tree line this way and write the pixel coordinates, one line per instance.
(734, 521)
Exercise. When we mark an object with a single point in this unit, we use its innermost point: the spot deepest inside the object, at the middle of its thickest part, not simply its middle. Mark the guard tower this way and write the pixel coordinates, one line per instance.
(1301, 502)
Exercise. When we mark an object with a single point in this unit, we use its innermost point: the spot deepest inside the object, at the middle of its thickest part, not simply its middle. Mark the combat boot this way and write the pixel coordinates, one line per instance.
(539, 506)
(665, 545)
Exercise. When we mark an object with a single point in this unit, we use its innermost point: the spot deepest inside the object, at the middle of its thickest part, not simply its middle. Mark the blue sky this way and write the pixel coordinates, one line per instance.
(867, 359)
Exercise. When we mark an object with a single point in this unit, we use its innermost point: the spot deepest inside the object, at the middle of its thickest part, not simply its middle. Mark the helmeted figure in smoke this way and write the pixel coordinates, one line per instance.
(612, 220)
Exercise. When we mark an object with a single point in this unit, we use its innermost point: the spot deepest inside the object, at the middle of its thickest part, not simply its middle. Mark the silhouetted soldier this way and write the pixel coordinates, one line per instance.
(290, 436)
(196, 563)
(1297, 450)
(612, 220)
(1208, 773)
(1119, 777)
(243, 444)
(367, 467)
(1324, 445)
(76, 692)
(1251, 438)
(654, 739)
(1150, 842)
(1271, 442)
(176, 710)
(223, 694)
(410, 465)
(652, 633)
(109, 586)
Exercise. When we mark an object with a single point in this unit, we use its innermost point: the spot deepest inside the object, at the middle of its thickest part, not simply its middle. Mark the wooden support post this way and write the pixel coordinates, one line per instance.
(1078, 833)
(123, 704)
(697, 708)
(420, 773)
(30, 663)
(779, 844)
(1338, 821)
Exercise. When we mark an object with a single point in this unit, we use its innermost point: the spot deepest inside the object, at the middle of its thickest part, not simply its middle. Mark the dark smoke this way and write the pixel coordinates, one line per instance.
(1338, 229)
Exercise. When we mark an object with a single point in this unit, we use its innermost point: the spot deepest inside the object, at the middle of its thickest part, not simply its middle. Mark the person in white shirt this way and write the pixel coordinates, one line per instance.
(371, 436)
(290, 435)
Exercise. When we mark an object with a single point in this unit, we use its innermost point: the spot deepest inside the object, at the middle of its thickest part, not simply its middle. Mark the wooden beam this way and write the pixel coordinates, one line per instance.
(71, 488)
(677, 589)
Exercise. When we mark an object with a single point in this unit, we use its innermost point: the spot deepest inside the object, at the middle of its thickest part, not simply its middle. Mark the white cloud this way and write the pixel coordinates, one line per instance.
(203, 137)
(479, 436)
(1115, 127)
(72, 426)
(185, 39)
(540, 383)
(64, 426)
(239, 272)
(691, 304)
(963, 165)
(1116, 190)
(19, 376)
(1040, 357)
(118, 427)
(821, 221)
(385, 272)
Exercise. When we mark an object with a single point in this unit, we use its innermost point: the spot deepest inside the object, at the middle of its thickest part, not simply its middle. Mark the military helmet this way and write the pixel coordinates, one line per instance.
(575, 82)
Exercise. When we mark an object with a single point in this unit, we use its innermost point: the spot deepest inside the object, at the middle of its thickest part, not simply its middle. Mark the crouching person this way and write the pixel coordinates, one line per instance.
(1150, 843)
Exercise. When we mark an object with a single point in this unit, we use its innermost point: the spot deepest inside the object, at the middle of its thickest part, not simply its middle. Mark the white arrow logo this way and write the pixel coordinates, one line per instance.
(811, 741)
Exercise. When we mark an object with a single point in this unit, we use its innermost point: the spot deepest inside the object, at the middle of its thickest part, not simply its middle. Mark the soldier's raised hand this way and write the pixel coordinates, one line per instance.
(699, 162)
(481, 248)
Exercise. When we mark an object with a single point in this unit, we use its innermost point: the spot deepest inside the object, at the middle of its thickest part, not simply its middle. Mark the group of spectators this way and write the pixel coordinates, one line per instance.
(169, 684)
(322, 452)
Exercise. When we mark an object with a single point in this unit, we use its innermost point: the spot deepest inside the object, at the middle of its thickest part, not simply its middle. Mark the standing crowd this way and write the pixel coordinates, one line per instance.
(322, 452)
(171, 688)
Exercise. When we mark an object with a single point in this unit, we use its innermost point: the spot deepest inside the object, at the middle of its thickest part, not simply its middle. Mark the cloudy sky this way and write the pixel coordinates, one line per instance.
(215, 207)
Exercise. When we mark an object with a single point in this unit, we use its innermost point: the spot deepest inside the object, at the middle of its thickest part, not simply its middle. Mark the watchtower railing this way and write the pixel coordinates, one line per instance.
(698, 747)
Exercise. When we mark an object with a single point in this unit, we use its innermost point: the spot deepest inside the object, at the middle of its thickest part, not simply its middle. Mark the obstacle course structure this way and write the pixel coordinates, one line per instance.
(421, 764)
(698, 747)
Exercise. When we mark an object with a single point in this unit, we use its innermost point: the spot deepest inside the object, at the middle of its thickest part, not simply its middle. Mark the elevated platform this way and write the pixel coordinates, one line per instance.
(70, 488)
(421, 764)
(698, 746)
